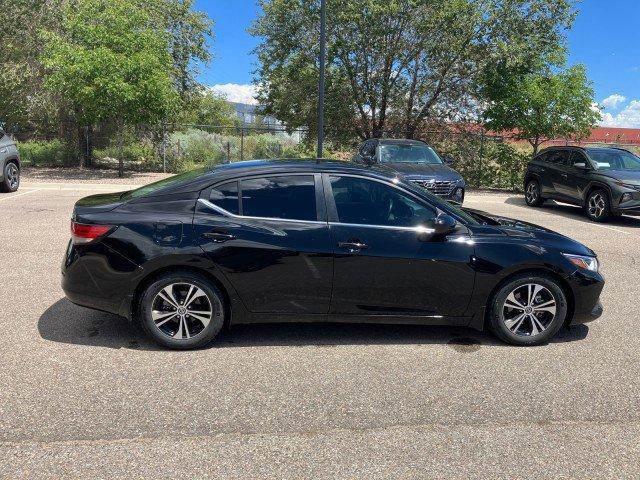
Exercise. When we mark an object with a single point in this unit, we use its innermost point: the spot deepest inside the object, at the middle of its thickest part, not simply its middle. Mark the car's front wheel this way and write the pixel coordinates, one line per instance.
(598, 207)
(528, 310)
(182, 310)
(533, 194)
(11, 180)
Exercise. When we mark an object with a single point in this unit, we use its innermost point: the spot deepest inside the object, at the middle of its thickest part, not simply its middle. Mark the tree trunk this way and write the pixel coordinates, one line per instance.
(120, 152)
(85, 145)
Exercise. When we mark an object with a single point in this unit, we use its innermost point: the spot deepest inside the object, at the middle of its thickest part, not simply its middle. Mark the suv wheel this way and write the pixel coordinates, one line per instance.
(598, 207)
(11, 180)
(182, 310)
(528, 310)
(532, 194)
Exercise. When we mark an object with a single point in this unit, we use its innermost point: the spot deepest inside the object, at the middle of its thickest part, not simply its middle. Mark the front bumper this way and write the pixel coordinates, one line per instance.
(586, 287)
(586, 317)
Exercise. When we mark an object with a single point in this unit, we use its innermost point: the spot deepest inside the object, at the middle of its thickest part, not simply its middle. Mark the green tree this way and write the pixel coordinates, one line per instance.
(209, 109)
(537, 107)
(24, 105)
(396, 64)
(188, 33)
(110, 63)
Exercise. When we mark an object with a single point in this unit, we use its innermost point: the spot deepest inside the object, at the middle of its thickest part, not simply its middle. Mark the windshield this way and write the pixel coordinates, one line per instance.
(167, 182)
(442, 204)
(609, 159)
(408, 154)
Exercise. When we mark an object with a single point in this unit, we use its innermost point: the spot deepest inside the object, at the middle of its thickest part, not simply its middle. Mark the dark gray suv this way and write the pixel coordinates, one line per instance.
(604, 181)
(417, 162)
(9, 164)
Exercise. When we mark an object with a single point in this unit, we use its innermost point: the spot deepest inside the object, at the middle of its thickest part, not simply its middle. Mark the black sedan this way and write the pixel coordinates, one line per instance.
(295, 241)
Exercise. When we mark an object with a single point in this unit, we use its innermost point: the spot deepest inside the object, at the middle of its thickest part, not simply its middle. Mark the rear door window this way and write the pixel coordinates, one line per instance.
(291, 197)
(225, 196)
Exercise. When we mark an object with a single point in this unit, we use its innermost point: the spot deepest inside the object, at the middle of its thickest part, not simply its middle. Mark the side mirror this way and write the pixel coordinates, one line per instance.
(444, 224)
(580, 165)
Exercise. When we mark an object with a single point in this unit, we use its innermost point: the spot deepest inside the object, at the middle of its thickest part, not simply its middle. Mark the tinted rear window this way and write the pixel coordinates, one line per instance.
(152, 188)
(226, 196)
(289, 197)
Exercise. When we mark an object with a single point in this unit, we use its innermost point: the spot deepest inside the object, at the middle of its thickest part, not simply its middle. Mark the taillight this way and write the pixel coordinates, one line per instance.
(83, 233)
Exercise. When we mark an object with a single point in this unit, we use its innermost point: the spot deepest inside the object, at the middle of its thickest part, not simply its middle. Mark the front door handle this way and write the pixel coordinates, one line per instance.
(218, 237)
(564, 175)
(353, 246)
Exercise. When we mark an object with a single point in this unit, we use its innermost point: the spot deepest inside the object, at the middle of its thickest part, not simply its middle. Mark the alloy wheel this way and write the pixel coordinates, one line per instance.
(529, 309)
(596, 205)
(532, 192)
(183, 310)
(13, 176)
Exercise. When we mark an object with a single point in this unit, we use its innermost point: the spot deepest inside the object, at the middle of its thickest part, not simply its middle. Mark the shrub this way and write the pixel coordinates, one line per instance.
(136, 155)
(49, 153)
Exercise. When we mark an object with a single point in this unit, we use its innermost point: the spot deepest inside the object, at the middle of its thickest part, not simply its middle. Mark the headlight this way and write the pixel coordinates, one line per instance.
(3, 150)
(584, 262)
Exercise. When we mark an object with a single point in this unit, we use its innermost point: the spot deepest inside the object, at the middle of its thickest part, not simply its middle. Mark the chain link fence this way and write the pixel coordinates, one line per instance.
(484, 160)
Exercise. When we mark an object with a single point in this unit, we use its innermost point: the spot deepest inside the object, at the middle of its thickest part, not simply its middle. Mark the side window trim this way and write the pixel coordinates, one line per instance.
(321, 208)
(332, 211)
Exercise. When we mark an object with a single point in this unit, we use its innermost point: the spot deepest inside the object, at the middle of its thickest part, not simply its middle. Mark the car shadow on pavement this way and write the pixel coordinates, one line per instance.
(575, 213)
(65, 322)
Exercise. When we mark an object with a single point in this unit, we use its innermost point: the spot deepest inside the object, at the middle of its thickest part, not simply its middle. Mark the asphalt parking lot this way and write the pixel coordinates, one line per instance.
(84, 394)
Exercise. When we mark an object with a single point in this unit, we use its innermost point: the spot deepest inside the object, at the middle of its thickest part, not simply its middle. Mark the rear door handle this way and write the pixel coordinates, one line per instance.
(564, 175)
(353, 246)
(218, 237)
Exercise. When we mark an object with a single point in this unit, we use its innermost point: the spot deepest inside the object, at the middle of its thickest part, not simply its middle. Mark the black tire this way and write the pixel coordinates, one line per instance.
(533, 193)
(598, 206)
(11, 178)
(498, 318)
(193, 333)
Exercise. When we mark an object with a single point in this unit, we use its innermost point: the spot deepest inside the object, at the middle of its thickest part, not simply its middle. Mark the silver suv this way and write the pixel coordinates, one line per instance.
(9, 164)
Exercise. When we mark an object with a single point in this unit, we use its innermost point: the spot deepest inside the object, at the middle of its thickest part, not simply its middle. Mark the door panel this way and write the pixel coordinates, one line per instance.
(556, 171)
(383, 264)
(275, 266)
(572, 180)
(397, 273)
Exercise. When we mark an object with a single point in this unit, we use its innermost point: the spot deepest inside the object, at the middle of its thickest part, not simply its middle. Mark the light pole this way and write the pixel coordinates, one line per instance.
(323, 48)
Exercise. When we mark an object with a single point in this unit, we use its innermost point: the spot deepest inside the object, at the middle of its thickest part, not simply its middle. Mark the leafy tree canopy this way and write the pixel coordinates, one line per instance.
(395, 64)
(108, 61)
(539, 106)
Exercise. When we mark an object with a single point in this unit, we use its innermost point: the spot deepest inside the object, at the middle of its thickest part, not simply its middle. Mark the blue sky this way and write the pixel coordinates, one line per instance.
(604, 38)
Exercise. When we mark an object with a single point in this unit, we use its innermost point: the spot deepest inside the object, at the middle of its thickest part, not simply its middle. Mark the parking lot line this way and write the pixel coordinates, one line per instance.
(19, 194)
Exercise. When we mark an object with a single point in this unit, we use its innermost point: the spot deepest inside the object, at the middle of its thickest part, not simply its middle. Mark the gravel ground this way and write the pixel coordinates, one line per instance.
(42, 175)
(83, 394)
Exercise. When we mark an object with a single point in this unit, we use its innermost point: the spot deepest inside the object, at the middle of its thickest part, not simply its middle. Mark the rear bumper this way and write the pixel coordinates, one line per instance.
(93, 280)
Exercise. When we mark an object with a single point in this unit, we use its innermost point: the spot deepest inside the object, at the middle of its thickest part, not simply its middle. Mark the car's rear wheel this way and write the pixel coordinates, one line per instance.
(182, 310)
(533, 194)
(528, 310)
(598, 207)
(11, 180)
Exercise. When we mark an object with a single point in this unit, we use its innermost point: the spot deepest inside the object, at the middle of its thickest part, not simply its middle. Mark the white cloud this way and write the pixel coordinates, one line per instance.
(612, 101)
(628, 117)
(235, 92)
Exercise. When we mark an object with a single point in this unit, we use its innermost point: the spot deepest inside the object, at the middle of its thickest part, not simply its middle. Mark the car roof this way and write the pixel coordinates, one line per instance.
(229, 171)
(400, 141)
(602, 148)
